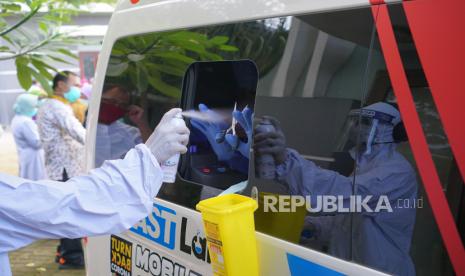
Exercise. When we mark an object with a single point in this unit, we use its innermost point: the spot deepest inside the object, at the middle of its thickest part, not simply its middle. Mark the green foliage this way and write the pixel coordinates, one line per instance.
(157, 62)
(33, 49)
(262, 41)
(154, 64)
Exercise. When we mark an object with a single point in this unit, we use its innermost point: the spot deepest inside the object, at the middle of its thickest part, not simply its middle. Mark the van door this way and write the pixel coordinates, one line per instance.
(310, 74)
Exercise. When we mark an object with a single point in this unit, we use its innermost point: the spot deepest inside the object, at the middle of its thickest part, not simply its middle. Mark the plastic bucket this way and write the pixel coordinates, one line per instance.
(230, 231)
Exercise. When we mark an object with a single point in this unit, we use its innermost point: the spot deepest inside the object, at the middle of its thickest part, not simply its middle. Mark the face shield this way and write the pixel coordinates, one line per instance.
(367, 127)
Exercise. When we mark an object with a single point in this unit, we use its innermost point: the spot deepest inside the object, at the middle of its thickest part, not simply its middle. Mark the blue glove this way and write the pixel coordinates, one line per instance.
(213, 132)
(244, 118)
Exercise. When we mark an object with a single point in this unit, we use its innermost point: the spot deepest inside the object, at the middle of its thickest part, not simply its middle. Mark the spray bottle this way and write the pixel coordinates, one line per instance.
(170, 166)
(265, 167)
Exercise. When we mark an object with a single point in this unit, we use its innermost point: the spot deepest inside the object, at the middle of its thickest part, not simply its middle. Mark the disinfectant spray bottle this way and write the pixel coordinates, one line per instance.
(170, 166)
(265, 167)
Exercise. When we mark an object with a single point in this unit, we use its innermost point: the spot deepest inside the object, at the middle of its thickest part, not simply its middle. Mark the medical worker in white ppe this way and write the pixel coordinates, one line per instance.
(382, 239)
(107, 200)
(26, 134)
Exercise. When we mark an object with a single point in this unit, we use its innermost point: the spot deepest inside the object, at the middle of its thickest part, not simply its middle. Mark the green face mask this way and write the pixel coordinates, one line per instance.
(32, 113)
(73, 94)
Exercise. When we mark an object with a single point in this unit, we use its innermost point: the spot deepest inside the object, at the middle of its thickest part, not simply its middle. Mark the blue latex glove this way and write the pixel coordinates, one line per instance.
(213, 131)
(244, 118)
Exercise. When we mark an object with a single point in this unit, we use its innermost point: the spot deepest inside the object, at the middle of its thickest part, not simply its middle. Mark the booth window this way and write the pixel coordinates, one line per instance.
(217, 66)
(212, 91)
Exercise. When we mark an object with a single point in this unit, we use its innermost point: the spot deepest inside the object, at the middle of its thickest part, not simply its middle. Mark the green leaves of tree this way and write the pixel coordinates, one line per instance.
(67, 53)
(12, 7)
(23, 72)
(166, 89)
(165, 56)
(43, 82)
(156, 63)
(38, 71)
(34, 49)
(42, 67)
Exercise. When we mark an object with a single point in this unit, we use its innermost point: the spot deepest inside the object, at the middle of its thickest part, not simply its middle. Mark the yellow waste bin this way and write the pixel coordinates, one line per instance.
(230, 231)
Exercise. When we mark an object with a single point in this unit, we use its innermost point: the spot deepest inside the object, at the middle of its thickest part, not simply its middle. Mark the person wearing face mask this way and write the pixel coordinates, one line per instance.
(114, 137)
(379, 240)
(62, 137)
(74, 96)
(26, 135)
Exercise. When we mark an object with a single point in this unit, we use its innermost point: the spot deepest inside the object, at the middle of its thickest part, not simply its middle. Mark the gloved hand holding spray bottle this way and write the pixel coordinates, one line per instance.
(170, 166)
(167, 142)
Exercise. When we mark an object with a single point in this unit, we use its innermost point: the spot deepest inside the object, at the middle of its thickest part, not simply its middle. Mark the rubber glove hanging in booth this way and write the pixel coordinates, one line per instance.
(244, 119)
(214, 131)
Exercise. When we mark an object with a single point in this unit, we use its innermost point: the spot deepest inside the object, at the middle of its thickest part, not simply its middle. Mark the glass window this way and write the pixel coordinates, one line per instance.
(217, 67)
(423, 249)
(218, 154)
(309, 130)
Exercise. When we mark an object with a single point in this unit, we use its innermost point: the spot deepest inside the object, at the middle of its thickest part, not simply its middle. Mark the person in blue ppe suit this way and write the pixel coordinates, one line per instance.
(107, 200)
(379, 240)
(228, 147)
(27, 139)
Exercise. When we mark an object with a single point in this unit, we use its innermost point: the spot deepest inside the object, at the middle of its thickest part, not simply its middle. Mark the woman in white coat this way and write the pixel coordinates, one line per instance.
(30, 152)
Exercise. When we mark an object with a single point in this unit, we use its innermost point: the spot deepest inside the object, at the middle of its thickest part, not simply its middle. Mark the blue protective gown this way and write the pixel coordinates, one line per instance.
(378, 240)
(108, 200)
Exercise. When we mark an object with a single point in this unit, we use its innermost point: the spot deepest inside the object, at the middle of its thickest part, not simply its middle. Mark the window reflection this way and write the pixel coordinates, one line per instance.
(221, 98)
(115, 136)
(315, 137)
(381, 176)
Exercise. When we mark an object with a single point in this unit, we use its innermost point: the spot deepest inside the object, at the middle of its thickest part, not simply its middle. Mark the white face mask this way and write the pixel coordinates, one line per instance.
(384, 133)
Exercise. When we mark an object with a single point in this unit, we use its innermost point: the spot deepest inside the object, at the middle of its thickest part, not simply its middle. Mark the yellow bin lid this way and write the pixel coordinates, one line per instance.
(227, 204)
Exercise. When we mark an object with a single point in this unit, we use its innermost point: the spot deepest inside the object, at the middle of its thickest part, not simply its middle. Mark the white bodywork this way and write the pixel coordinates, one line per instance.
(151, 16)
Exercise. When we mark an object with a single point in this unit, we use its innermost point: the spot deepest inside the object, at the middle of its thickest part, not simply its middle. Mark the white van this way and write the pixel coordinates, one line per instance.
(307, 64)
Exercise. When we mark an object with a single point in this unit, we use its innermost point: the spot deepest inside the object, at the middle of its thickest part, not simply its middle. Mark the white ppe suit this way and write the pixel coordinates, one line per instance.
(29, 147)
(108, 200)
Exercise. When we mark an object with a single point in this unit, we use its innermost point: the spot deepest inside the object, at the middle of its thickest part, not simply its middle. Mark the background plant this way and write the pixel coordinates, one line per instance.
(153, 65)
(29, 34)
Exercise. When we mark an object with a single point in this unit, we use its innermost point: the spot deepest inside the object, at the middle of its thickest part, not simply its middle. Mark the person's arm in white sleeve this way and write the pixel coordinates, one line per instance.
(71, 125)
(31, 134)
(109, 199)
